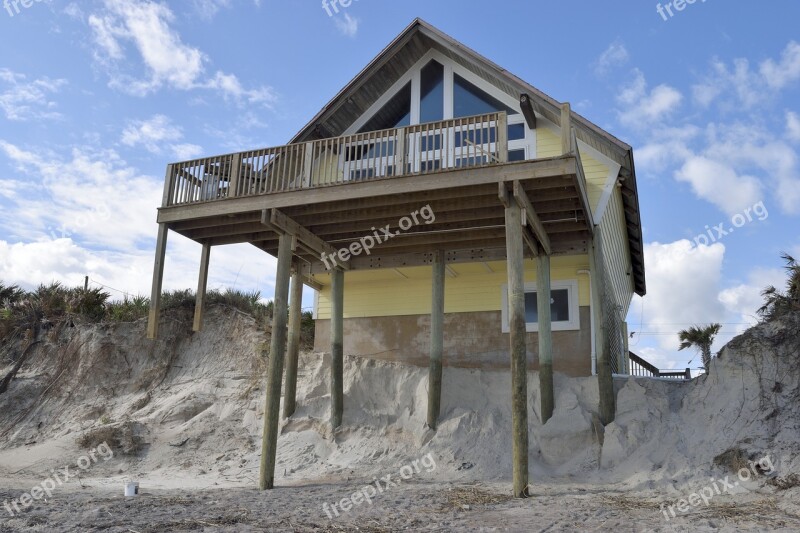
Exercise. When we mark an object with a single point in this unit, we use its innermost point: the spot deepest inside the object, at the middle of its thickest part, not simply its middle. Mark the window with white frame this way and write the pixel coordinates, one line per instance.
(564, 309)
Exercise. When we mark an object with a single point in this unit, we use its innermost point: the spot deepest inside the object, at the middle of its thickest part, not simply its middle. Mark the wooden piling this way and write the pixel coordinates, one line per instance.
(158, 278)
(543, 296)
(519, 363)
(276, 358)
(337, 347)
(293, 351)
(202, 285)
(605, 378)
(437, 340)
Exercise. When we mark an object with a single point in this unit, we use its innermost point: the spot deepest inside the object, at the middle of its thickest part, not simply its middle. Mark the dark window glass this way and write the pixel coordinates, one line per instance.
(431, 142)
(476, 136)
(431, 105)
(559, 306)
(516, 155)
(469, 100)
(516, 132)
(396, 112)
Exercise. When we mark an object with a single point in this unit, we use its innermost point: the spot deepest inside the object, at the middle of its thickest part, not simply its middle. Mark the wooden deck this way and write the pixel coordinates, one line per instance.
(332, 193)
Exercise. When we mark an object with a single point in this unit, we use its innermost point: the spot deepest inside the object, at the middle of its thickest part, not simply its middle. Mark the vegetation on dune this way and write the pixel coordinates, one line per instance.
(701, 338)
(24, 314)
(777, 303)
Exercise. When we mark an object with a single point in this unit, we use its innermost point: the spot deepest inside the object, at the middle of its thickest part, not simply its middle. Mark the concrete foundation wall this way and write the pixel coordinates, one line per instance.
(471, 340)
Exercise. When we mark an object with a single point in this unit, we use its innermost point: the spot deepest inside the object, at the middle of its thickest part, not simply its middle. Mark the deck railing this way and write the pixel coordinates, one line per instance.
(642, 368)
(475, 141)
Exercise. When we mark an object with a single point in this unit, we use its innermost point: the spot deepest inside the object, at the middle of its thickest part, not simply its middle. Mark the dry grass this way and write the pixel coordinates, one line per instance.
(785, 483)
(733, 459)
(465, 498)
(120, 437)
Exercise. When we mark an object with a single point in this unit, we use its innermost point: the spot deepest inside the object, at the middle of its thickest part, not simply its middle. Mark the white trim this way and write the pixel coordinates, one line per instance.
(416, 93)
(448, 91)
(574, 308)
(608, 190)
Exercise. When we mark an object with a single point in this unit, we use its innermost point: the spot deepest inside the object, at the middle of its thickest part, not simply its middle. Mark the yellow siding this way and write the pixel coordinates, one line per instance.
(615, 250)
(548, 144)
(387, 293)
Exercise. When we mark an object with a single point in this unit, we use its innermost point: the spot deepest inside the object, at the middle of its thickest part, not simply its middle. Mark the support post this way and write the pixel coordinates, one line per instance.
(202, 285)
(605, 379)
(293, 351)
(277, 349)
(519, 363)
(437, 340)
(337, 347)
(545, 336)
(158, 278)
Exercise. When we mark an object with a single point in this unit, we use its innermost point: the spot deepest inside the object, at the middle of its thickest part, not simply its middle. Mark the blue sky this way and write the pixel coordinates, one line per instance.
(97, 96)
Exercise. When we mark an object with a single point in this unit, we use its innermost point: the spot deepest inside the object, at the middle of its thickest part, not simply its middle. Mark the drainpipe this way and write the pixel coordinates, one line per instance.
(591, 320)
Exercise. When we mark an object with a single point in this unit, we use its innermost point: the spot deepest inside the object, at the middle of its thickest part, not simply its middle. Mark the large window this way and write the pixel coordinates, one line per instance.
(395, 113)
(469, 100)
(431, 103)
(564, 310)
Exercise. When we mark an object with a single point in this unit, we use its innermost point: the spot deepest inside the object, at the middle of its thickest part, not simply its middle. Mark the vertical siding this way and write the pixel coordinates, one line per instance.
(386, 293)
(615, 251)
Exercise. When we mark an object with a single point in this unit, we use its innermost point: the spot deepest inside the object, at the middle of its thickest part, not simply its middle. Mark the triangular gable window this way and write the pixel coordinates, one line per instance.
(468, 100)
(431, 105)
(396, 112)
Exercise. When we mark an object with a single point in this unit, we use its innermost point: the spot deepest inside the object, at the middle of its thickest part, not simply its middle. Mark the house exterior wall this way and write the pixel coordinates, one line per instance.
(471, 340)
(376, 293)
(615, 251)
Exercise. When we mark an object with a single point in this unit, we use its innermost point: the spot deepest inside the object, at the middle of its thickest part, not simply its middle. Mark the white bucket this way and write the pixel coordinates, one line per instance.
(131, 488)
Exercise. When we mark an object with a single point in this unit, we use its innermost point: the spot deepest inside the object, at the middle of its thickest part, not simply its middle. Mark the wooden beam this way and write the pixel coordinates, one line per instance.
(527, 106)
(293, 349)
(533, 219)
(337, 347)
(279, 220)
(543, 296)
(580, 182)
(437, 340)
(519, 359)
(202, 285)
(158, 278)
(277, 352)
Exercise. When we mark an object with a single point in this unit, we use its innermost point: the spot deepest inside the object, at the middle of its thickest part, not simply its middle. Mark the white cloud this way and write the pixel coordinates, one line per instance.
(614, 56)
(207, 9)
(793, 126)
(22, 100)
(642, 108)
(157, 134)
(682, 287)
(784, 72)
(167, 60)
(719, 184)
(90, 214)
(743, 300)
(346, 24)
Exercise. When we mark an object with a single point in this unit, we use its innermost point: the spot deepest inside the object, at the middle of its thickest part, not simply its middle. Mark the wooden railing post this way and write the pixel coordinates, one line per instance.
(308, 162)
(566, 129)
(169, 184)
(400, 152)
(236, 170)
(502, 137)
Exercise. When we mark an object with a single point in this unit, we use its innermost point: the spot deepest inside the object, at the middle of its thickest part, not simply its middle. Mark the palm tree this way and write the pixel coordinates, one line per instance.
(777, 303)
(700, 338)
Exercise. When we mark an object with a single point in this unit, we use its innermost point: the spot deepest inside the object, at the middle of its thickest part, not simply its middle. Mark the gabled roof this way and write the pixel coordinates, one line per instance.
(414, 42)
